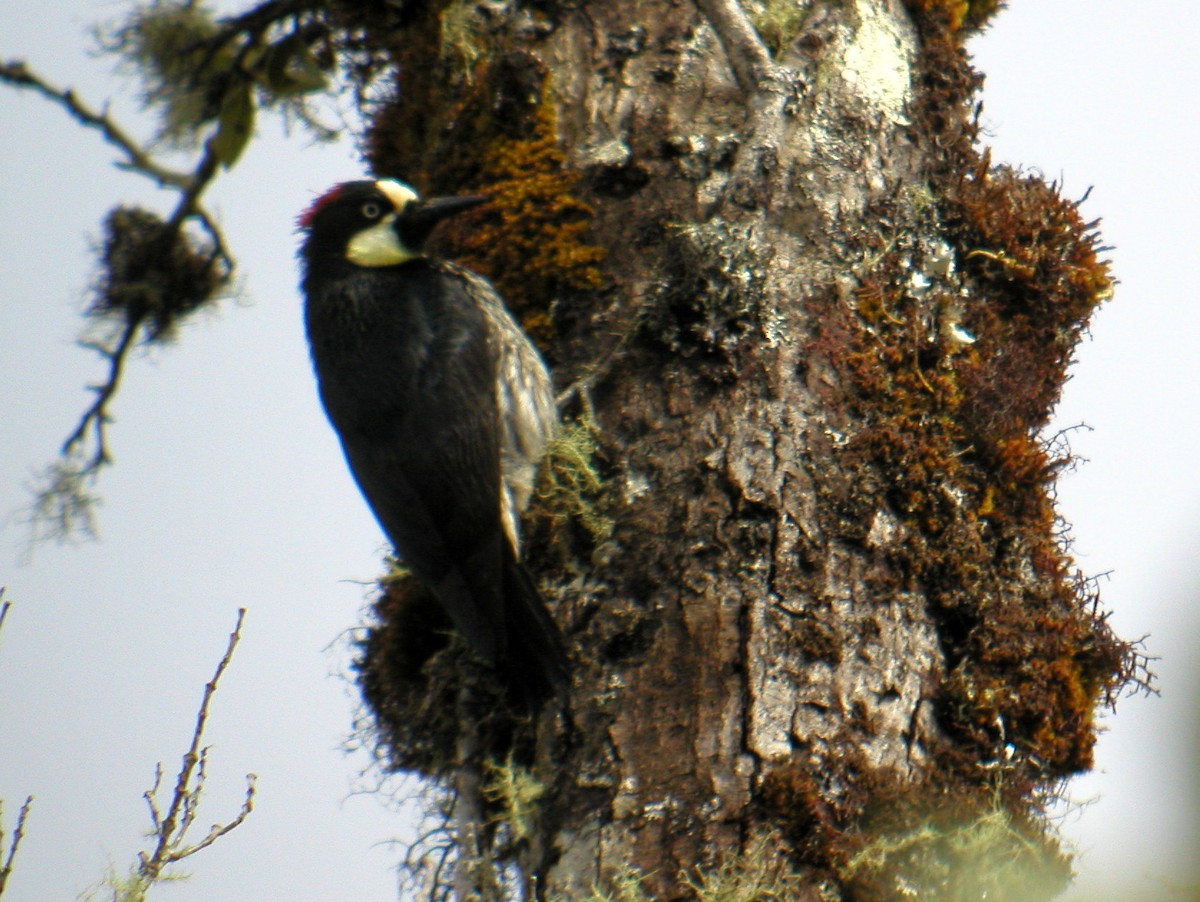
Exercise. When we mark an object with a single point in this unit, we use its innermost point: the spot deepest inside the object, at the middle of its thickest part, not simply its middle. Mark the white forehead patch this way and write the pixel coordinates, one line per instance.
(400, 194)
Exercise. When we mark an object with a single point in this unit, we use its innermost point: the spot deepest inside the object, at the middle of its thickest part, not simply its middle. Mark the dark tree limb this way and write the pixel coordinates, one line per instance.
(62, 504)
(17, 835)
(137, 159)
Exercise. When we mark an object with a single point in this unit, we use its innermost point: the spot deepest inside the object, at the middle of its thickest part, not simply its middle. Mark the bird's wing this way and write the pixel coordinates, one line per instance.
(430, 473)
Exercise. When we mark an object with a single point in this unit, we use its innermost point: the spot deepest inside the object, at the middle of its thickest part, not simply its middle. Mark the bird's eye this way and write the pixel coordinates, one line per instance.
(371, 210)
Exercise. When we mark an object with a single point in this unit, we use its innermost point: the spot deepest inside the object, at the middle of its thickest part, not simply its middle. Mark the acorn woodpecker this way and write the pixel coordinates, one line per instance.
(443, 407)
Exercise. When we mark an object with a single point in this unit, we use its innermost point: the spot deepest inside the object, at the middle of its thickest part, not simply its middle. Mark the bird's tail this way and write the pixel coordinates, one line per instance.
(535, 661)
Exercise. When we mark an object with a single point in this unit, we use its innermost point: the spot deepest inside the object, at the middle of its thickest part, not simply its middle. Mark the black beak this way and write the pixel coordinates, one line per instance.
(419, 217)
(438, 208)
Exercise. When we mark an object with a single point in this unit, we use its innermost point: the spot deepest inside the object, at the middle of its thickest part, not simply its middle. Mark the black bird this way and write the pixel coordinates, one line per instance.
(443, 407)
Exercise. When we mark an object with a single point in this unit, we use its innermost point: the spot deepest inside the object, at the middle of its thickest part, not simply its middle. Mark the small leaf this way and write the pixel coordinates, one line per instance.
(235, 123)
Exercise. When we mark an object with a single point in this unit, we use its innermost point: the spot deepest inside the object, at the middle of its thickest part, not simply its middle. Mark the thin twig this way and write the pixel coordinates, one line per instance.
(5, 604)
(18, 835)
(19, 829)
(190, 185)
(96, 417)
(18, 74)
(171, 826)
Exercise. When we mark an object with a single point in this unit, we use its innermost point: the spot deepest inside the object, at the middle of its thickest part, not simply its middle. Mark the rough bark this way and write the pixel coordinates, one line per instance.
(832, 554)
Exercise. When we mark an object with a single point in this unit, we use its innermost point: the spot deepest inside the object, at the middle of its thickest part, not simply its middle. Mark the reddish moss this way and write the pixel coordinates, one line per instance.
(531, 238)
(942, 841)
(957, 16)
(883, 835)
(947, 436)
(799, 807)
(500, 139)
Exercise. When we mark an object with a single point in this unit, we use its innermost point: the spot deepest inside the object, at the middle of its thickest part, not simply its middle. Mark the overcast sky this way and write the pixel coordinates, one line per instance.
(229, 489)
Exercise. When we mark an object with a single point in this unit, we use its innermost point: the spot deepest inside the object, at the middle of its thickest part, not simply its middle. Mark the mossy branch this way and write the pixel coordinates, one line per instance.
(205, 78)
(63, 504)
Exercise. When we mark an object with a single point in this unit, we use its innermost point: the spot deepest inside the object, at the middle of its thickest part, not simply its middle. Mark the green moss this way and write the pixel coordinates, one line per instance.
(779, 22)
(953, 846)
(513, 789)
(757, 873)
(569, 487)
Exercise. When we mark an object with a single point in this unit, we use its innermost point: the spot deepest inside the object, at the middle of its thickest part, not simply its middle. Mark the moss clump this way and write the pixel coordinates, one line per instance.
(948, 435)
(501, 140)
(960, 17)
(569, 487)
(952, 847)
(412, 669)
(883, 836)
(407, 677)
(531, 238)
(154, 274)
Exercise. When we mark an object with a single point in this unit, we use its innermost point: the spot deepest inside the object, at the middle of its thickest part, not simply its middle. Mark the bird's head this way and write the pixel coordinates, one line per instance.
(375, 223)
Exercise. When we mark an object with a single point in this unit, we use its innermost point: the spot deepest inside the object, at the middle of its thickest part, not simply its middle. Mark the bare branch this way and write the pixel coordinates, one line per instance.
(6, 865)
(151, 797)
(18, 74)
(18, 834)
(171, 828)
(219, 830)
(96, 418)
(5, 604)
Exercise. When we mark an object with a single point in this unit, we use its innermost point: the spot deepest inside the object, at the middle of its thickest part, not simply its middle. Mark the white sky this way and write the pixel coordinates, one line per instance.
(230, 489)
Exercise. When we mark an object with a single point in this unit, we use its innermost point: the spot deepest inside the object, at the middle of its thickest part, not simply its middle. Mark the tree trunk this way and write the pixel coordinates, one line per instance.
(799, 529)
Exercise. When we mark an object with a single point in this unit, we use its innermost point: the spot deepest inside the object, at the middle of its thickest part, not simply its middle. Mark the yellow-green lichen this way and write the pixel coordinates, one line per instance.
(955, 847)
(569, 487)
(513, 789)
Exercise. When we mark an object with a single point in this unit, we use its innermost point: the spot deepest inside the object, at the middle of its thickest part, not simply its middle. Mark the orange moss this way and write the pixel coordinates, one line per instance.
(959, 16)
(948, 442)
(497, 137)
(799, 807)
(531, 238)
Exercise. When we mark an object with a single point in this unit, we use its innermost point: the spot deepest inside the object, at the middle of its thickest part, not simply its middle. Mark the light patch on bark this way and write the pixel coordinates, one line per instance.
(877, 63)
